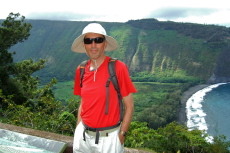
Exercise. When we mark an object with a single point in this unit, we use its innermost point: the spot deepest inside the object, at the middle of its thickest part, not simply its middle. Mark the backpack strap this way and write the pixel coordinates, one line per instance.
(112, 72)
(82, 71)
(113, 78)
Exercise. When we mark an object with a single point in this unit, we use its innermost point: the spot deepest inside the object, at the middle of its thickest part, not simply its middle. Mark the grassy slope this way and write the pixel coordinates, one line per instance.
(63, 91)
(148, 93)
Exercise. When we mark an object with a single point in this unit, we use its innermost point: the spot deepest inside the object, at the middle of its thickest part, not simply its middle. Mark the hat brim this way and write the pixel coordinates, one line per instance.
(78, 46)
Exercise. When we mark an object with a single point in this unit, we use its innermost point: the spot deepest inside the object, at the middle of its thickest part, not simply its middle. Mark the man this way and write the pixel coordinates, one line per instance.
(98, 123)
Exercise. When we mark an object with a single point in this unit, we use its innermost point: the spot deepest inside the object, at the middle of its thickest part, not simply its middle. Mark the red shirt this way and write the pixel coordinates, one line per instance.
(93, 94)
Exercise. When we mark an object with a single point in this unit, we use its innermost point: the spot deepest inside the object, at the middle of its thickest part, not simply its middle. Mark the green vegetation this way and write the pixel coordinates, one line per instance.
(174, 138)
(63, 91)
(47, 115)
(167, 76)
(24, 101)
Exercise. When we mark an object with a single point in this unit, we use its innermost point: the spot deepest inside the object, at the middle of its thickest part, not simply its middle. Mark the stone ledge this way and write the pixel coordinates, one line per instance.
(52, 136)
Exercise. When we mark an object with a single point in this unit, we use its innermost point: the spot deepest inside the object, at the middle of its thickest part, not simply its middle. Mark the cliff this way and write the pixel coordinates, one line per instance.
(221, 71)
(166, 48)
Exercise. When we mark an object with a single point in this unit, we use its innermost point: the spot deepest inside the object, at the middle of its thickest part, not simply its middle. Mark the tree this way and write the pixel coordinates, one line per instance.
(25, 84)
(24, 101)
(12, 31)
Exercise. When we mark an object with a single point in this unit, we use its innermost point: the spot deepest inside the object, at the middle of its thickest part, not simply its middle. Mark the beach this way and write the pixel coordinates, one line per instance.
(182, 118)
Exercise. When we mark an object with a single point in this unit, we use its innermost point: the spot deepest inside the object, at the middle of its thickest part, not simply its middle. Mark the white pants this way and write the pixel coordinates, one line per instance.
(110, 144)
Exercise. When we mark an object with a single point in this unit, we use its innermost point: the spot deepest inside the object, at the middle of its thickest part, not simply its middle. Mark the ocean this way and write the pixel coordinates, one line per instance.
(209, 109)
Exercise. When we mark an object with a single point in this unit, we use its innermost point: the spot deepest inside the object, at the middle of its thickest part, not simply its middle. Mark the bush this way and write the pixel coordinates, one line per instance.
(174, 138)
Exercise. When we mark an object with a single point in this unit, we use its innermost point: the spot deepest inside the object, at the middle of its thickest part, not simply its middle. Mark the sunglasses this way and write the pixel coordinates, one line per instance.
(97, 40)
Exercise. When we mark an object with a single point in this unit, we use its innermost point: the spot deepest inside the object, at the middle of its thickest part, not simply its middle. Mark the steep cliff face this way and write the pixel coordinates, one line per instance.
(144, 45)
(160, 50)
(221, 72)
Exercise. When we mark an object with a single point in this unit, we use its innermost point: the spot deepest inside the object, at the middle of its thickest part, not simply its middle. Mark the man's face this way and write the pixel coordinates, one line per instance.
(95, 50)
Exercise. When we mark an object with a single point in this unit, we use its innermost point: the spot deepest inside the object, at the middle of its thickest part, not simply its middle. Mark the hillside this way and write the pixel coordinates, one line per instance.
(168, 49)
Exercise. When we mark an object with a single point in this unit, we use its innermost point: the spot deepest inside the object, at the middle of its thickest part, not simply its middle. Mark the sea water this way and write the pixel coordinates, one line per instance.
(209, 110)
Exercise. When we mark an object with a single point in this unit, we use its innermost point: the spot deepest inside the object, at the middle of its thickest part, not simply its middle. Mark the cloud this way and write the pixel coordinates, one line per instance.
(211, 15)
(71, 16)
(175, 13)
(57, 16)
(195, 11)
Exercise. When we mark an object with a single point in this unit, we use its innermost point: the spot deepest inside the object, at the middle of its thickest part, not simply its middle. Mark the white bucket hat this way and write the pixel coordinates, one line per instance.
(78, 47)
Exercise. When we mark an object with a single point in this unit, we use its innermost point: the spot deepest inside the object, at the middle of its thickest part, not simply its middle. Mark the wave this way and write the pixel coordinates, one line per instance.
(194, 111)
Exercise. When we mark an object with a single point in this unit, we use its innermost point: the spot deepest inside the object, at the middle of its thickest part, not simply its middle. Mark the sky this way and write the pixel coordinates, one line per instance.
(215, 12)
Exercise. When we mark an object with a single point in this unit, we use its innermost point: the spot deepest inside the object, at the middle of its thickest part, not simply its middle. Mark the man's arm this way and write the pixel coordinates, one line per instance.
(128, 113)
(79, 113)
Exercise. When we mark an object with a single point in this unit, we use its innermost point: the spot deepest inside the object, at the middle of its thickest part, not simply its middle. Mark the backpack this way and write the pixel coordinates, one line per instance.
(113, 78)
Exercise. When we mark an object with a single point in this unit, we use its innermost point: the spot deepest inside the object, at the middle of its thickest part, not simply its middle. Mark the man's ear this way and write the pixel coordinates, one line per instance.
(105, 44)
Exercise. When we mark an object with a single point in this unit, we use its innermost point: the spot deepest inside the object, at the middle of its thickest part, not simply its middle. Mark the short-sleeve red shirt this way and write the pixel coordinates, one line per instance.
(93, 94)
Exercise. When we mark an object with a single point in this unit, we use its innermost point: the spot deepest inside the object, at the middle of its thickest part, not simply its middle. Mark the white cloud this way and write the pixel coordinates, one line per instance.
(196, 11)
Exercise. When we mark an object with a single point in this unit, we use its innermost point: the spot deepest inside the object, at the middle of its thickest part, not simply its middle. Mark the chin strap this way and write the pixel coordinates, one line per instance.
(95, 71)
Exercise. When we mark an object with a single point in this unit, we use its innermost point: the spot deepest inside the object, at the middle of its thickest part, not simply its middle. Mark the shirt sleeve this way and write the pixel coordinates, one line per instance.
(77, 88)
(124, 80)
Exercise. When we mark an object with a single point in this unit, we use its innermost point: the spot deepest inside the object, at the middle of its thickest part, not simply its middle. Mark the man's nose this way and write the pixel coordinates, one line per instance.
(93, 44)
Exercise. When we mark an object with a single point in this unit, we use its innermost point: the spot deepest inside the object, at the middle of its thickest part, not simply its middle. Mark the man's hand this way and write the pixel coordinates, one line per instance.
(121, 137)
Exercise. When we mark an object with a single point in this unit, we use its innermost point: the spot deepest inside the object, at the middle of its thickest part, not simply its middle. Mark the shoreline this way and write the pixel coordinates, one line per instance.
(182, 118)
